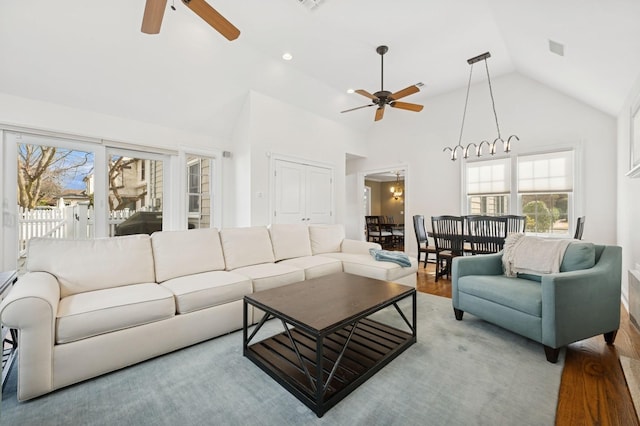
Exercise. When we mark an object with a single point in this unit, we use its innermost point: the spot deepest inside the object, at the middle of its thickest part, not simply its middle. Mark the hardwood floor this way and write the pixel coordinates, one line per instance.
(593, 390)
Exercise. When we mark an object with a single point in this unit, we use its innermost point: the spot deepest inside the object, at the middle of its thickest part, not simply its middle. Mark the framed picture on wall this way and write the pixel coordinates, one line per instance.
(634, 140)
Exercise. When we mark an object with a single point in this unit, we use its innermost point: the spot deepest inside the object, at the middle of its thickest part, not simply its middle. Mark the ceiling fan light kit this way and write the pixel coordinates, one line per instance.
(383, 97)
(478, 147)
(154, 12)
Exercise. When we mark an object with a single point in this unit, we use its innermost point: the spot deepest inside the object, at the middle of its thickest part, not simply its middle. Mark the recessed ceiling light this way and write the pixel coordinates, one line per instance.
(287, 56)
(557, 48)
(350, 91)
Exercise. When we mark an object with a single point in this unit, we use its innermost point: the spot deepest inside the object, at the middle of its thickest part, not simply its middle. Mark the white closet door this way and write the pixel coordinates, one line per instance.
(303, 193)
(319, 193)
(289, 192)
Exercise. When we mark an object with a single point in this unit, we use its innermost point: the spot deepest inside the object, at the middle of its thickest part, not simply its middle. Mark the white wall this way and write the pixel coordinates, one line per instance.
(540, 116)
(628, 206)
(281, 129)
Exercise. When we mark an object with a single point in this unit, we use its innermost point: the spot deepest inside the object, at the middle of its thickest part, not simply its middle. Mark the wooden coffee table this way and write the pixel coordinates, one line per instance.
(328, 347)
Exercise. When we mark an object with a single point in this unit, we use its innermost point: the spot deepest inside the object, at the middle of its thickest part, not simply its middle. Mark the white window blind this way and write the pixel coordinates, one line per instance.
(550, 172)
(489, 177)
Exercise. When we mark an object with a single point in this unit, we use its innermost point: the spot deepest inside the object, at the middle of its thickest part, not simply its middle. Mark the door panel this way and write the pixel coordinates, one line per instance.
(303, 193)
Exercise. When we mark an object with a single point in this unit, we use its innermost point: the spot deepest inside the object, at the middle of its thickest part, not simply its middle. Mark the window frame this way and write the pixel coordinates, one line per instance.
(514, 198)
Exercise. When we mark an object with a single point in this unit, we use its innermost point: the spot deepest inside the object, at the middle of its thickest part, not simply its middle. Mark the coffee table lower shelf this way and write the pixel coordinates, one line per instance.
(372, 346)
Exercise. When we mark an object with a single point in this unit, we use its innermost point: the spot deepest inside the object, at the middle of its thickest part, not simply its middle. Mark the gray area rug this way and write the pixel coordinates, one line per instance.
(459, 372)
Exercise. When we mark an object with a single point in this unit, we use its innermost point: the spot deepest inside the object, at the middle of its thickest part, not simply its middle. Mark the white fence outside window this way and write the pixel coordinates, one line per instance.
(75, 222)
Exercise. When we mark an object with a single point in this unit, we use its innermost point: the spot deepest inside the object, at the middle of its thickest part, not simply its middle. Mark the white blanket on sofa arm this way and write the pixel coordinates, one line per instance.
(532, 255)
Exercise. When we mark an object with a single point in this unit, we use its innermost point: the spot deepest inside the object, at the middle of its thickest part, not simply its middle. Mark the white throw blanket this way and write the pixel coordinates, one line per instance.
(532, 255)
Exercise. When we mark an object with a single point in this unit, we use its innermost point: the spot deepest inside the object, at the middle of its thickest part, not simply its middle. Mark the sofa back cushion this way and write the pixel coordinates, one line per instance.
(579, 255)
(326, 238)
(180, 253)
(246, 246)
(290, 240)
(88, 265)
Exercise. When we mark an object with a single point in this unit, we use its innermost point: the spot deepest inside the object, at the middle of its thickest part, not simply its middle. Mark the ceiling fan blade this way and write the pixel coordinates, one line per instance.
(153, 14)
(407, 106)
(405, 92)
(379, 113)
(213, 18)
(367, 94)
(360, 107)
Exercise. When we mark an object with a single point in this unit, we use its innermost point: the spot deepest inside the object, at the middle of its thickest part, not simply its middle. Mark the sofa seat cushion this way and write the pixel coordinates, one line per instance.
(271, 275)
(199, 291)
(367, 266)
(315, 266)
(520, 294)
(97, 312)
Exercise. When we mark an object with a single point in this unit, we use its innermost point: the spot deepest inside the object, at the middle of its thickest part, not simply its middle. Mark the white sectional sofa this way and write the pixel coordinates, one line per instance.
(88, 307)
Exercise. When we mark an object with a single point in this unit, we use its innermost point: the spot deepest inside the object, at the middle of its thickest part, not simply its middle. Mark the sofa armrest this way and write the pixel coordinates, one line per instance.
(31, 308)
(583, 303)
(486, 264)
(358, 247)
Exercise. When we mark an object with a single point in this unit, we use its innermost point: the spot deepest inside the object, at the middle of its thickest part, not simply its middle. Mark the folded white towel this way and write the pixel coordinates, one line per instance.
(532, 255)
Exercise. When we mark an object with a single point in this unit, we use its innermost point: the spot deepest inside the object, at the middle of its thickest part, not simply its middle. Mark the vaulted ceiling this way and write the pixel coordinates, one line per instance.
(92, 55)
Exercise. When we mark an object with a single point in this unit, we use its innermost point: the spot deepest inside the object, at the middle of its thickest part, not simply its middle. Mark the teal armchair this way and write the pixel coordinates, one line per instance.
(579, 302)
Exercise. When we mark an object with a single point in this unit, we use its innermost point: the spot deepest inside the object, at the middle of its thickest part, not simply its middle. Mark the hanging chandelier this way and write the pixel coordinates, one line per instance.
(397, 189)
(478, 146)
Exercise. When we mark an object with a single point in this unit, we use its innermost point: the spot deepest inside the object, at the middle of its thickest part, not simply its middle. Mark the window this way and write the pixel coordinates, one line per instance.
(488, 187)
(199, 191)
(545, 191)
(543, 187)
(135, 205)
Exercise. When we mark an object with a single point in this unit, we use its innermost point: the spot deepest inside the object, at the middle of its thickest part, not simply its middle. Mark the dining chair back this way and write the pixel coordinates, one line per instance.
(486, 233)
(448, 237)
(376, 232)
(515, 223)
(423, 240)
(579, 228)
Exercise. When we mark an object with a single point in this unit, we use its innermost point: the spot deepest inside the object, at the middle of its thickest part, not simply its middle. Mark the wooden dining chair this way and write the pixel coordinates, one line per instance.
(486, 233)
(448, 237)
(515, 223)
(376, 232)
(579, 228)
(423, 241)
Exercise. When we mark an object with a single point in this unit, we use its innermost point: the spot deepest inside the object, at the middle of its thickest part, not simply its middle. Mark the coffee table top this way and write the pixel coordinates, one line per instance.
(326, 302)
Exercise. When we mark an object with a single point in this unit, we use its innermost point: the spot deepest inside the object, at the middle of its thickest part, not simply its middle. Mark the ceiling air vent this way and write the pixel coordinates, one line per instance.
(557, 48)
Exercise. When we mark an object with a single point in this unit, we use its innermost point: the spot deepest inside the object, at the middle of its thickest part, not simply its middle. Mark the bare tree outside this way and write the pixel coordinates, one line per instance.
(45, 171)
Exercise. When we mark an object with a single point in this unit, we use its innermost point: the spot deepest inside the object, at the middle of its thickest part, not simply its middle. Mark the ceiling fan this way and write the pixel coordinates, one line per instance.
(383, 97)
(154, 12)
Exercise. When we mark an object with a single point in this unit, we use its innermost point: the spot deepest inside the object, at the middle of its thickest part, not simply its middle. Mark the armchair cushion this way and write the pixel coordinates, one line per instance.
(578, 256)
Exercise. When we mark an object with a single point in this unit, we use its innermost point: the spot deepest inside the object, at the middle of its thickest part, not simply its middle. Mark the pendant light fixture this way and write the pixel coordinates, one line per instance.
(397, 189)
(478, 147)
